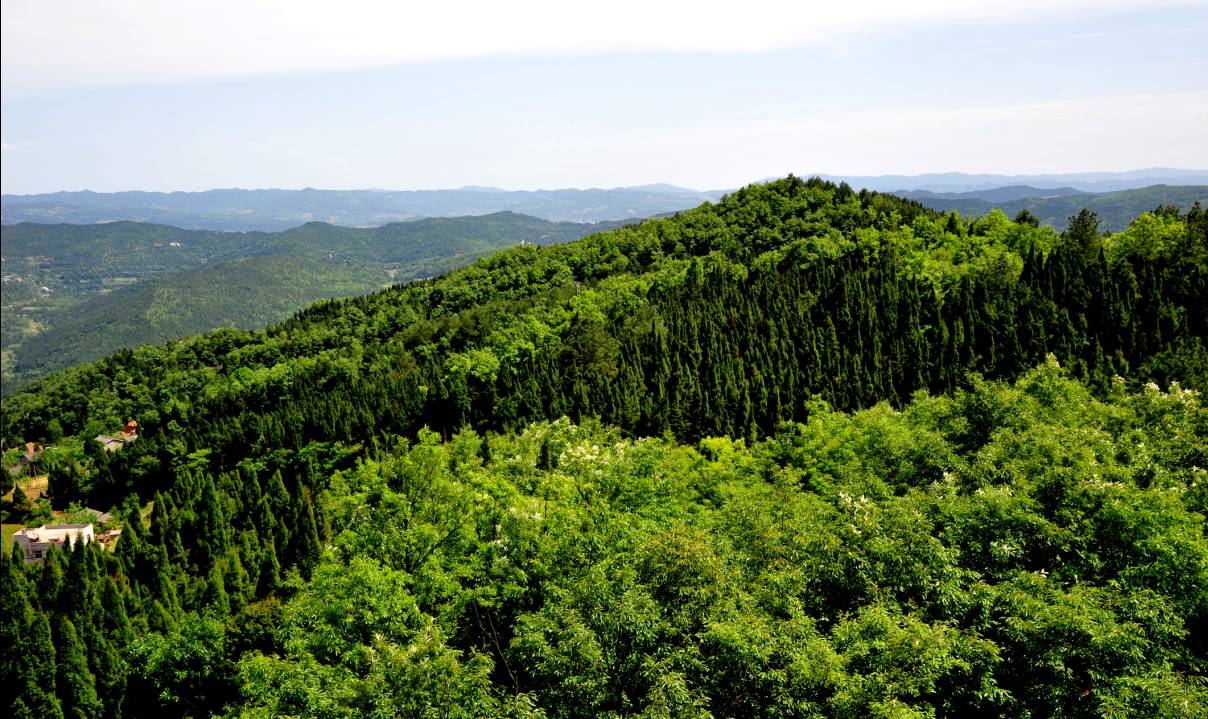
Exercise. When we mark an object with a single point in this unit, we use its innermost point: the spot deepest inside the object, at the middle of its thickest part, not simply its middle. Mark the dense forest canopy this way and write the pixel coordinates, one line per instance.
(802, 452)
(722, 320)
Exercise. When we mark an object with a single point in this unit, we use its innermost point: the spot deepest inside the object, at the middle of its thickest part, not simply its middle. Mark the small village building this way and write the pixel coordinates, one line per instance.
(112, 443)
(36, 542)
(32, 452)
(27, 463)
(30, 457)
(99, 517)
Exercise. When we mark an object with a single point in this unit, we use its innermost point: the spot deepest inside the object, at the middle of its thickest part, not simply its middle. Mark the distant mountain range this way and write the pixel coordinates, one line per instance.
(1054, 207)
(74, 293)
(1078, 182)
(275, 210)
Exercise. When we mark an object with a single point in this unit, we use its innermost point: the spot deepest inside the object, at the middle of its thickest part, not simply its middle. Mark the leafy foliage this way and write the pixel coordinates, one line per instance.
(806, 452)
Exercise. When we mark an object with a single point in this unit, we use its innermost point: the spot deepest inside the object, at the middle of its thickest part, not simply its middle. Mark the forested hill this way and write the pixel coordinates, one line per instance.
(722, 320)
(88, 255)
(75, 293)
(249, 293)
(966, 546)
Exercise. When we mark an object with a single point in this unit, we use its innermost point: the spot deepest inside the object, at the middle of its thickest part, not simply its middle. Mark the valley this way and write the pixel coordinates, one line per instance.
(74, 293)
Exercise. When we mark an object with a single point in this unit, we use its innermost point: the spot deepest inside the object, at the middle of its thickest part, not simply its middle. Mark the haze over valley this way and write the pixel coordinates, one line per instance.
(270, 210)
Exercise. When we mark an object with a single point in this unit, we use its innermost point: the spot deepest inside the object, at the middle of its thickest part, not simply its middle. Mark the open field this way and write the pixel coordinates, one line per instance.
(8, 531)
(34, 487)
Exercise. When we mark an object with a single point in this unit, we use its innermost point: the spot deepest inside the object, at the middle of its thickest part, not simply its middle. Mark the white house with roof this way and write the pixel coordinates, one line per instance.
(37, 541)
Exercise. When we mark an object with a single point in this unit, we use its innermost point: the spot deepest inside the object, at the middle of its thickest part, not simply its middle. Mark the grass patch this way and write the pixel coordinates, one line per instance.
(145, 512)
(34, 488)
(9, 530)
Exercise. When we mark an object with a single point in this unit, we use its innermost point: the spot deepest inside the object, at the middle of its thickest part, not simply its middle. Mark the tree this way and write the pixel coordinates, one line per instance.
(185, 672)
(25, 674)
(21, 503)
(33, 690)
(74, 684)
(1083, 234)
(1025, 217)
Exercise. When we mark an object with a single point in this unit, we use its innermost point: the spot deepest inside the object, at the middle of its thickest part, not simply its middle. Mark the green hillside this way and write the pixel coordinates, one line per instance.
(802, 452)
(247, 293)
(75, 293)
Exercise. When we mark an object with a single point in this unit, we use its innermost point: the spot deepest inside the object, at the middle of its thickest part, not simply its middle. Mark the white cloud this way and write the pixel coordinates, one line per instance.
(68, 42)
(5, 147)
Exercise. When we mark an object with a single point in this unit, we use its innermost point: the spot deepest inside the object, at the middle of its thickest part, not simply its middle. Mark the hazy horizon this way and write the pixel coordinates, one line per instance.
(535, 95)
(992, 178)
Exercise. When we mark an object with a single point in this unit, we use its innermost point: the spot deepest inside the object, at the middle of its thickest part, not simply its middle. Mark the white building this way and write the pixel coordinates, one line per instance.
(36, 542)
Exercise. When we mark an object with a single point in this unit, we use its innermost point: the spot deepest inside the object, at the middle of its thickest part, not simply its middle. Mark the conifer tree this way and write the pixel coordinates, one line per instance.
(114, 619)
(50, 581)
(33, 688)
(18, 660)
(74, 684)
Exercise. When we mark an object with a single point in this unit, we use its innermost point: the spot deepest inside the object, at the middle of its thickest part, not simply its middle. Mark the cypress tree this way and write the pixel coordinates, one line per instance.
(215, 596)
(269, 572)
(31, 692)
(107, 666)
(74, 684)
(114, 619)
(50, 581)
(129, 545)
(78, 598)
(213, 532)
(19, 658)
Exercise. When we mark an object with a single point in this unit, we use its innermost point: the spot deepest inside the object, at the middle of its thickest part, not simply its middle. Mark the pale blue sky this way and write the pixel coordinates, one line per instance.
(1101, 86)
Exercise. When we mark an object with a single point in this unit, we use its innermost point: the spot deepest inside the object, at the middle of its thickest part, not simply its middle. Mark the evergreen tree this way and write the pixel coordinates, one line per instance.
(18, 661)
(33, 691)
(1025, 217)
(74, 684)
(1083, 235)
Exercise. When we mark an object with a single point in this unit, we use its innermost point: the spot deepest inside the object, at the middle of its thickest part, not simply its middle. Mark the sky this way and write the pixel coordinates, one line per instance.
(131, 94)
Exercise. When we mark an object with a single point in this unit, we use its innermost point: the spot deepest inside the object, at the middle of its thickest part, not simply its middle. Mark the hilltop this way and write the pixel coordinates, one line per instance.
(610, 287)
